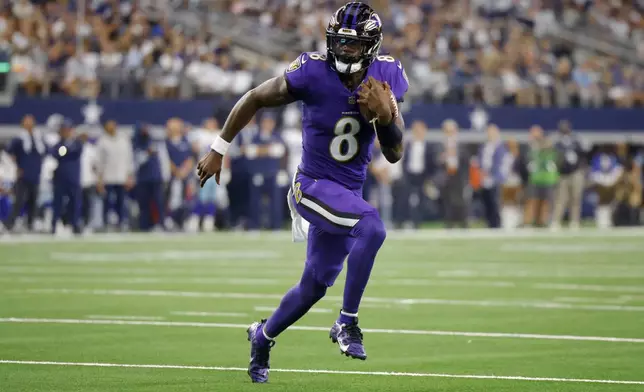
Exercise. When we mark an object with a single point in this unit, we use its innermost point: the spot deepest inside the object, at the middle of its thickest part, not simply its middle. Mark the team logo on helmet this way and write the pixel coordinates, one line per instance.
(373, 23)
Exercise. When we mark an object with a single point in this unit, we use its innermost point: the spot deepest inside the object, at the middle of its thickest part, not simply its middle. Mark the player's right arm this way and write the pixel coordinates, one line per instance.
(273, 92)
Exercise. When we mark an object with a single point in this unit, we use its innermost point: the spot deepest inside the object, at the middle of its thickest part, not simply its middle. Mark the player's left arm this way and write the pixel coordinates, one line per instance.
(394, 152)
(388, 123)
(390, 133)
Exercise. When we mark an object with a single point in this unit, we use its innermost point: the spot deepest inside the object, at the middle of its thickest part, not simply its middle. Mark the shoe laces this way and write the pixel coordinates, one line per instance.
(353, 332)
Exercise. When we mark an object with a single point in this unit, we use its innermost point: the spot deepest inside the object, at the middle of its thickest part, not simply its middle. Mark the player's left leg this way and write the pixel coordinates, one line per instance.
(369, 234)
(335, 209)
(324, 259)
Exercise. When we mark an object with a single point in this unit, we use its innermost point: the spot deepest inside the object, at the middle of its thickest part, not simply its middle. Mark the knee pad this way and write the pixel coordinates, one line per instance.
(370, 227)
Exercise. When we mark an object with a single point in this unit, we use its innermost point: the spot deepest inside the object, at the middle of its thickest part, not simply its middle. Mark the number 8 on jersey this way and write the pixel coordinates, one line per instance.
(344, 147)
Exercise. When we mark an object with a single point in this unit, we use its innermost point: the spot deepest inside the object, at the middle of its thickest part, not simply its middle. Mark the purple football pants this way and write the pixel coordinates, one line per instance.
(341, 224)
(333, 212)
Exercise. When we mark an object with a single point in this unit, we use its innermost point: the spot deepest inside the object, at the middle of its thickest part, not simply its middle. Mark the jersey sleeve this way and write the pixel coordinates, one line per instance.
(297, 76)
(398, 81)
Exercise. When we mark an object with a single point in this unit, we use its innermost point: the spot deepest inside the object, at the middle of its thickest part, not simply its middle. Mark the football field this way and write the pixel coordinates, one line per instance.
(478, 311)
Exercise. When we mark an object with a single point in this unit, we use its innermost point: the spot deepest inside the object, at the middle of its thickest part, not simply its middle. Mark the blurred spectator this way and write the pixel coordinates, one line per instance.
(240, 177)
(89, 181)
(543, 176)
(454, 51)
(242, 79)
(572, 167)
(80, 78)
(165, 81)
(454, 167)
(182, 165)
(115, 169)
(265, 156)
(491, 159)
(213, 197)
(68, 195)
(587, 81)
(28, 151)
(206, 76)
(514, 167)
(150, 158)
(7, 180)
(292, 135)
(28, 64)
(417, 167)
(605, 173)
(628, 195)
(389, 194)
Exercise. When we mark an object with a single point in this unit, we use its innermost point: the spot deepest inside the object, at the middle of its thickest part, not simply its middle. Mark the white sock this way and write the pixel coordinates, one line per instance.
(266, 336)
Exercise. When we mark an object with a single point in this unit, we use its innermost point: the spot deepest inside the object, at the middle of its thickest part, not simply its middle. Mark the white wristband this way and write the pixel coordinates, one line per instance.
(220, 146)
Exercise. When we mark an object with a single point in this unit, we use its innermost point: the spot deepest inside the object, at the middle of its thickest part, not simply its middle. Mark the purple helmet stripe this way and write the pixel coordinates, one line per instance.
(347, 11)
(355, 15)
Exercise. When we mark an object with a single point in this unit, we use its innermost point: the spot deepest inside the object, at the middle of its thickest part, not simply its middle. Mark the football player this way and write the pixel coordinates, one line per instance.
(349, 97)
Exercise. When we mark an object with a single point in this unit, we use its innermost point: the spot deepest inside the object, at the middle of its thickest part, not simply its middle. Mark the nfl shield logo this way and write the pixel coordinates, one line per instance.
(352, 100)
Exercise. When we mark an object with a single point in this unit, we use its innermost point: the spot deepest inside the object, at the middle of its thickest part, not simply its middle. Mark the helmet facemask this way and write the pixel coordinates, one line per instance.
(350, 54)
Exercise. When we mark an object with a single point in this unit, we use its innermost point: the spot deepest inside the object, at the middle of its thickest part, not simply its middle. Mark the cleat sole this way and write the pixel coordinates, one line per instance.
(352, 356)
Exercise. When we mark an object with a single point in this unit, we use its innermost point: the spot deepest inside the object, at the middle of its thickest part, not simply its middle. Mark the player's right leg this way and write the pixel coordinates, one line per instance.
(324, 259)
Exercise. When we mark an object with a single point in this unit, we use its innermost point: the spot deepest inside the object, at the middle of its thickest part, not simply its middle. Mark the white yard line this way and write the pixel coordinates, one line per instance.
(595, 273)
(143, 281)
(588, 287)
(578, 248)
(422, 235)
(25, 278)
(210, 314)
(296, 271)
(401, 301)
(16, 320)
(109, 317)
(443, 282)
(211, 256)
(312, 310)
(187, 272)
(323, 371)
(619, 300)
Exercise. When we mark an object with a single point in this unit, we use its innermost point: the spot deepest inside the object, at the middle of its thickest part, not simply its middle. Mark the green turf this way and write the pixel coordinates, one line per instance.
(587, 285)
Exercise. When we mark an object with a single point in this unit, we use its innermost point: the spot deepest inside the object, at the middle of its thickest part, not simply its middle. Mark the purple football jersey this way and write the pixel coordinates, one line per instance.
(337, 141)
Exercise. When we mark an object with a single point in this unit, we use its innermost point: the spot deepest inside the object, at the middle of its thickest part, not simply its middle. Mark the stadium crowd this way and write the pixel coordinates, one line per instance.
(75, 181)
(496, 52)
